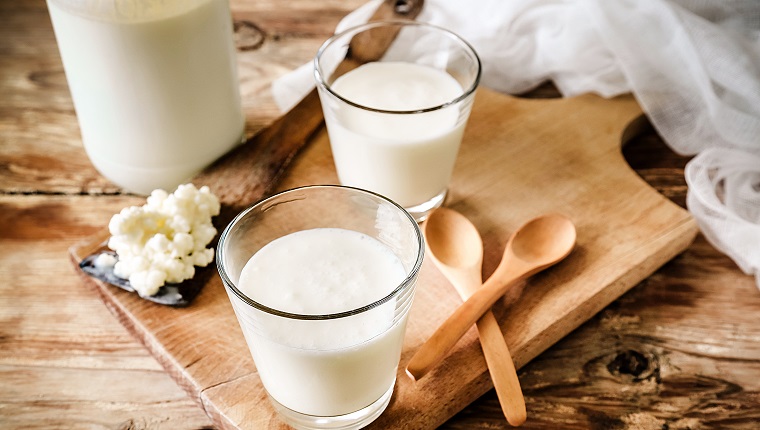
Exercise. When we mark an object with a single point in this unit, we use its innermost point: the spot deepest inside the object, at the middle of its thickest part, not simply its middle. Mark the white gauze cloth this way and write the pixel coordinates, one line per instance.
(693, 66)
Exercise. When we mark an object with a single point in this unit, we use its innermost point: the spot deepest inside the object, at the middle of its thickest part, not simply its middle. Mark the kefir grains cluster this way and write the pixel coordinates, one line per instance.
(163, 240)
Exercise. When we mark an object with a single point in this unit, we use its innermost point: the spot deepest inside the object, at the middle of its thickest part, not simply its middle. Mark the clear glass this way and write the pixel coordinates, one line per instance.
(345, 386)
(154, 85)
(405, 155)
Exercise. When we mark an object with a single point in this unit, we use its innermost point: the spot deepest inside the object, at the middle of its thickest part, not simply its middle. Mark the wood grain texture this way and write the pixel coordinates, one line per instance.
(67, 363)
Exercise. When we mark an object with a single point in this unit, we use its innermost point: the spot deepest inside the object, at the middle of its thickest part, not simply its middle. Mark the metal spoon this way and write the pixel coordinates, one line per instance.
(540, 243)
(464, 270)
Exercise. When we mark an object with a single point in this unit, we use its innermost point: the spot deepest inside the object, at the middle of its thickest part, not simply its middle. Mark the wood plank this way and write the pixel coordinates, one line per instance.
(65, 362)
(65, 338)
(698, 295)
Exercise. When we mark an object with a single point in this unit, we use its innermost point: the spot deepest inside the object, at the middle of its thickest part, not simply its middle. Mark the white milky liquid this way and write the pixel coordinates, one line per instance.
(406, 157)
(154, 84)
(328, 367)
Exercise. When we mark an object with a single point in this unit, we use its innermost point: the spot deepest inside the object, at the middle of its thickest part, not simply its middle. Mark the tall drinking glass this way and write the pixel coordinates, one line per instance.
(396, 124)
(325, 326)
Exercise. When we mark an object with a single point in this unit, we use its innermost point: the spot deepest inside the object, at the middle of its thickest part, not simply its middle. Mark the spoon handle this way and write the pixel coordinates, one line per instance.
(444, 338)
(502, 368)
(495, 349)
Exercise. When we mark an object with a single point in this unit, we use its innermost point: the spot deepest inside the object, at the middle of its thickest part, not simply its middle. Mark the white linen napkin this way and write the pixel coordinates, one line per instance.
(693, 65)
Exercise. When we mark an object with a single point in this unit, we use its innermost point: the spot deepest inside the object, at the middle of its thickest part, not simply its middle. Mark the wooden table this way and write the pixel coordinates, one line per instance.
(681, 350)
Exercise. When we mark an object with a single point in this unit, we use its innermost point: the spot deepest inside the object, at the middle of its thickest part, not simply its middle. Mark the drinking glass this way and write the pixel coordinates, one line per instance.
(395, 125)
(344, 380)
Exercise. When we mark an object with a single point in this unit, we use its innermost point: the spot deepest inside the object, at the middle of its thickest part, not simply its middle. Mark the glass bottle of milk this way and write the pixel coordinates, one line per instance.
(154, 85)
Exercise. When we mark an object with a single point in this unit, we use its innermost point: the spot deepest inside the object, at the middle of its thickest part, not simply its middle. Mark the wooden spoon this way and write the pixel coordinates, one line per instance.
(540, 243)
(463, 269)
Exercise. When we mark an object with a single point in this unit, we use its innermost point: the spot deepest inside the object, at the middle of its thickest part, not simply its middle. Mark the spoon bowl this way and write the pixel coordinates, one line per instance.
(537, 245)
(439, 228)
(544, 240)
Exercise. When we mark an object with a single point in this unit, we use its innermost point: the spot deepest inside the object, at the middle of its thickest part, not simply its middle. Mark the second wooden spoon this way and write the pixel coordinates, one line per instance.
(466, 276)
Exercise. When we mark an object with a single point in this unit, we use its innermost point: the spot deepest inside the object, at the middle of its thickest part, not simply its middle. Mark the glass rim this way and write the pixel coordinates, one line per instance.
(404, 285)
(321, 82)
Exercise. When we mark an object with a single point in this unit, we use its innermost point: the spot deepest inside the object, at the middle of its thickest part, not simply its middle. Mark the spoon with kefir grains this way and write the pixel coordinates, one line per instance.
(154, 249)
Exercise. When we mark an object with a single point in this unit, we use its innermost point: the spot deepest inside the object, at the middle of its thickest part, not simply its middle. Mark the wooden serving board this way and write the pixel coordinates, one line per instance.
(519, 158)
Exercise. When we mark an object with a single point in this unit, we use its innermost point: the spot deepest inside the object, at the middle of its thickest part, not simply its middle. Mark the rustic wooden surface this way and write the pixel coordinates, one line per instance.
(506, 172)
(680, 350)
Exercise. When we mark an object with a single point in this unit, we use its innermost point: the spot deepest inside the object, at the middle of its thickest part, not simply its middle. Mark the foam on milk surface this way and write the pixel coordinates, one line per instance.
(324, 271)
(397, 86)
(321, 271)
(324, 367)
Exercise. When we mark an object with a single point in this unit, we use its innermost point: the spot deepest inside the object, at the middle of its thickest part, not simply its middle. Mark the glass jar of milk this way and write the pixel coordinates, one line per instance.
(154, 85)
(395, 124)
(321, 279)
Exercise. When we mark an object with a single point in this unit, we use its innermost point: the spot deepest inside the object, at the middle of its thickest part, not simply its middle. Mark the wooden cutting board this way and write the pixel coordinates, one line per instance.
(519, 158)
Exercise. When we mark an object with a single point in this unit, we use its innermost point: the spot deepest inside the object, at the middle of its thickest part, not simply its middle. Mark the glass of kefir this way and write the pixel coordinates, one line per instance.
(395, 124)
(321, 279)
(154, 85)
